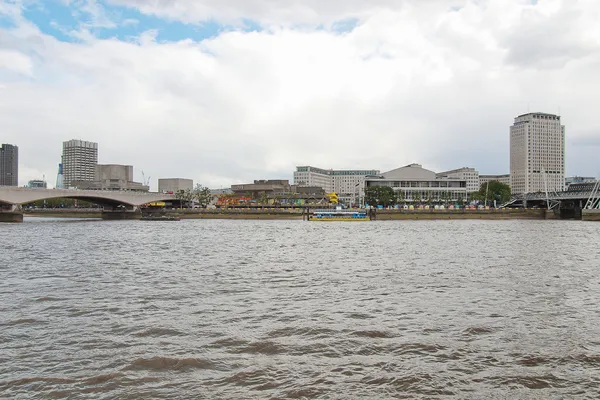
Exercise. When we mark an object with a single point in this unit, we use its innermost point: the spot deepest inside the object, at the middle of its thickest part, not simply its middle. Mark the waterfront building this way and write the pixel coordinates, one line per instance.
(503, 178)
(578, 179)
(37, 183)
(348, 184)
(312, 176)
(9, 165)
(112, 177)
(173, 185)
(417, 184)
(537, 153)
(274, 188)
(79, 160)
(470, 175)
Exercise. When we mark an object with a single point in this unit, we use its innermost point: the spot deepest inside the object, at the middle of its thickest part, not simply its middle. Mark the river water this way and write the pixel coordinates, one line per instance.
(292, 309)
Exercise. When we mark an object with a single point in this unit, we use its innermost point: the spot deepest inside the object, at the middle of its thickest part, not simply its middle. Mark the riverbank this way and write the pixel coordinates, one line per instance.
(297, 214)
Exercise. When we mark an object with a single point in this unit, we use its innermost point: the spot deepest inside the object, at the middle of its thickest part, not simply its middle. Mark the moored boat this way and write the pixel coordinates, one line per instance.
(339, 214)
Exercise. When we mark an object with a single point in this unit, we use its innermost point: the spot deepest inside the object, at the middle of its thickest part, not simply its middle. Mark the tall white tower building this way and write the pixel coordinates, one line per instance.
(79, 160)
(537, 153)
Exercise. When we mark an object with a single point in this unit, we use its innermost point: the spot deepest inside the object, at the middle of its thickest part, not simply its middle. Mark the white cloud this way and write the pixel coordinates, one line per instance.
(413, 83)
(16, 62)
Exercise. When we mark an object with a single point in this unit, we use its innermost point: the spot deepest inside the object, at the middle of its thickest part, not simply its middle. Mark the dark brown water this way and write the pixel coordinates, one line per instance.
(291, 309)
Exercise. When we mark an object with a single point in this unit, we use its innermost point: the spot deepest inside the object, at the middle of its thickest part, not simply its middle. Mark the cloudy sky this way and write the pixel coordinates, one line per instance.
(227, 91)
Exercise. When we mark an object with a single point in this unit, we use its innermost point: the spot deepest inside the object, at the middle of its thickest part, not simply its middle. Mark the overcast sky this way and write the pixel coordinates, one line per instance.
(228, 91)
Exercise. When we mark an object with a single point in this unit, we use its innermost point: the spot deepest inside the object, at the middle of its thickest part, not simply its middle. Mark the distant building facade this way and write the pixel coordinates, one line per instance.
(348, 184)
(173, 185)
(579, 179)
(470, 175)
(112, 177)
(37, 183)
(79, 160)
(537, 153)
(418, 184)
(9, 165)
(504, 178)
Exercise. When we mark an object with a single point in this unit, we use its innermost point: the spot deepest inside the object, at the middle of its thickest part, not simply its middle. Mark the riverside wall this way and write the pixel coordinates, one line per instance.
(590, 215)
(297, 214)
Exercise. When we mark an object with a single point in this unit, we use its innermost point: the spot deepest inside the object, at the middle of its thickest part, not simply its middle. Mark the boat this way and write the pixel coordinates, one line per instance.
(160, 218)
(339, 214)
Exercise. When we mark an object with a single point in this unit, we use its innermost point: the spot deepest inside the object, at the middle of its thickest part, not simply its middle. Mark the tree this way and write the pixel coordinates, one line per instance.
(202, 195)
(495, 191)
(400, 196)
(417, 197)
(180, 195)
(380, 196)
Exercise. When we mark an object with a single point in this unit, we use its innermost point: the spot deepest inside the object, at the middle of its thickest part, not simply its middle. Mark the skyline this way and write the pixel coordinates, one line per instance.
(229, 93)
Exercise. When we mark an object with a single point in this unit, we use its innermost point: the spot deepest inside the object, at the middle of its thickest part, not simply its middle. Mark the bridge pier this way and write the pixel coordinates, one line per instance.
(115, 214)
(14, 213)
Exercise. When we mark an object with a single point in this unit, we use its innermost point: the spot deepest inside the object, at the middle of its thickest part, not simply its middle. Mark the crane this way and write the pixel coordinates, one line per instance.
(144, 180)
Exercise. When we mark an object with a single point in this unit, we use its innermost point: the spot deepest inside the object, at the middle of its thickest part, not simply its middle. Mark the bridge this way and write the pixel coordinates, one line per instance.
(568, 203)
(117, 204)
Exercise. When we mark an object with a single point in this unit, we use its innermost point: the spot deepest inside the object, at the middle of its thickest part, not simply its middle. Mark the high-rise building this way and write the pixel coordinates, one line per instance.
(79, 160)
(537, 153)
(59, 178)
(9, 165)
(469, 175)
(348, 184)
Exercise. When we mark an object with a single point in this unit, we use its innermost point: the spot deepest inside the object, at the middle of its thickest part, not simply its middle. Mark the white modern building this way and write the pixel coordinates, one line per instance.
(348, 184)
(173, 185)
(79, 160)
(418, 184)
(503, 178)
(470, 175)
(537, 153)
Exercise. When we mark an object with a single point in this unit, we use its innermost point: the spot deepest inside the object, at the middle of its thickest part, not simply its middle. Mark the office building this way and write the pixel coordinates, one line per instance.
(417, 184)
(537, 153)
(79, 160)
(9, 165)
(348, 184)
(469, 175)
(173, 185)
(504, 178)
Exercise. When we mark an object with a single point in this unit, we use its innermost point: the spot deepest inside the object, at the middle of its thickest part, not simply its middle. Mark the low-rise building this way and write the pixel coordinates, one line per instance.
(112, 177)
(417, 184)
(503, 178)
(37, 183)
(578, 179)
(173, 185)
(470, 175)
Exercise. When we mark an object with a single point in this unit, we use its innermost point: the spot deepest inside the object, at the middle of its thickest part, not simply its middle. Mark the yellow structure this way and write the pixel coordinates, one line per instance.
(333, 197)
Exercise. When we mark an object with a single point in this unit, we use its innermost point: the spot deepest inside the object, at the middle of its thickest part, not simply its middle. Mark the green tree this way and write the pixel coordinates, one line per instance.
(495, 191)
(417, 197)
(380, 196)
(400, 196)
(180, 195)
(202, 195)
